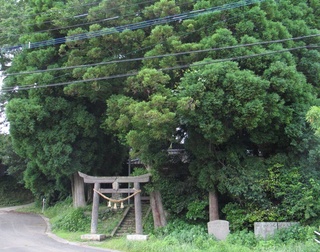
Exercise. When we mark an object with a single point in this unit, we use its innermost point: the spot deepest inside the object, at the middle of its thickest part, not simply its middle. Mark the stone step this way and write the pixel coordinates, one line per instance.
(128, 224)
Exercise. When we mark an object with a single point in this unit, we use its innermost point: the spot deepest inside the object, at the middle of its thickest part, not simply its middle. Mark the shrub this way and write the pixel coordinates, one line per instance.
(180, 232)
(12, 193)
(73, 220)
(287, 195)
(197, 210)
(293, 233)
(243, 238)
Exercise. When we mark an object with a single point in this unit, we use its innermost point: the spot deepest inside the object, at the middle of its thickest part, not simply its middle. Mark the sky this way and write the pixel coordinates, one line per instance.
(3, 129)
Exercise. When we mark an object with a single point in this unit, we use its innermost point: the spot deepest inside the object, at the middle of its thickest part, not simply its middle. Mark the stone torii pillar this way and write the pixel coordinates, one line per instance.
(97, 181)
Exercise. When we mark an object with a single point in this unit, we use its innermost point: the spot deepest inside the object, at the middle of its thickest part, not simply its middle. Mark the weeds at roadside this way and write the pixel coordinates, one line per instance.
(177, 236)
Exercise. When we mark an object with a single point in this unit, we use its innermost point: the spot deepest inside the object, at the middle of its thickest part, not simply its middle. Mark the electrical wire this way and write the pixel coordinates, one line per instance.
(198, 64)
(66, 27)
(82, 24)
(166, 55)
(139, 25)
(124, 17)
(185, 34)
(24, 17)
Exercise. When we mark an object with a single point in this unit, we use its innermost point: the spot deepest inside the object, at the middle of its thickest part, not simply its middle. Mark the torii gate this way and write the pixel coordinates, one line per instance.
(111, 180)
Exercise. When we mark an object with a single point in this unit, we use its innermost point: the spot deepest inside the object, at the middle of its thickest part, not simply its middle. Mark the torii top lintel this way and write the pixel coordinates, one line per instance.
(130, 179)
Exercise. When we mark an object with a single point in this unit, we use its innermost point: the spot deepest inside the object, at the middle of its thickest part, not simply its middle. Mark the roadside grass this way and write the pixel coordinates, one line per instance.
(69, 236)
(176, 237)
(163, 245)
(69, 223)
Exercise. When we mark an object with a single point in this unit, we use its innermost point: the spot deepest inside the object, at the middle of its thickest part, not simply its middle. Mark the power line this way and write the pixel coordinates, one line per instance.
(139, 25)
(85, 23)
(182, 36)
(45, 12)
(166, 55)
(67, 27)
(198, 64)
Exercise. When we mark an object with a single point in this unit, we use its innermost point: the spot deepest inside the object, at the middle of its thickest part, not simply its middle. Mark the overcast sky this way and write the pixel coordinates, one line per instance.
(2, 128)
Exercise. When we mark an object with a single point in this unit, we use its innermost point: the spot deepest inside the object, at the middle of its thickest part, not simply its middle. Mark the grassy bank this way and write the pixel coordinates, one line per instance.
(163, 245)
(69, 223)
(178, 237)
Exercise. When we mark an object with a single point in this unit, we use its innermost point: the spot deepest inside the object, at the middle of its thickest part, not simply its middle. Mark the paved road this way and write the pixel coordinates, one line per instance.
(20, 232)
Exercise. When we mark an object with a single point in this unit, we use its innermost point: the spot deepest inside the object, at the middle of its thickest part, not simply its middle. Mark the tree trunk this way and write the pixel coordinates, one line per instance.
(78, 195)
(159, 217)
(213, 206)
(158, 213)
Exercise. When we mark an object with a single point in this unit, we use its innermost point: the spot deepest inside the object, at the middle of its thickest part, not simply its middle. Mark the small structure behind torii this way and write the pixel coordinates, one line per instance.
(97, 181)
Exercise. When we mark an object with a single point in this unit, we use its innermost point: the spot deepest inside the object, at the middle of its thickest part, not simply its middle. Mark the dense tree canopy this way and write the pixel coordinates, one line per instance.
(91, 78)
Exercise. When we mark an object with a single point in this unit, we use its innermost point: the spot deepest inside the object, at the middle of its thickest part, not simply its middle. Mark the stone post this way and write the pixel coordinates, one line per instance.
(95, 209)
(138, 209)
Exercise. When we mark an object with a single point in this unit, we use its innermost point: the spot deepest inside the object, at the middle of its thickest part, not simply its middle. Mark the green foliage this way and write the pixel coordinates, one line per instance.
(243, 238)
(11, 13)
(237, 216)
(68, 220)
(285, 194)
(179, 232)
(15, 165)
(137, 171)
(197, 210)
(145, 126)
(246, 105)
(58, 208)
(299, 197)
(56, 136)
(313, 117)
(181, 197)
(283, 239)
(294, 233)
(72, 220)
(13, 193)
(181, 236)
(218, 90)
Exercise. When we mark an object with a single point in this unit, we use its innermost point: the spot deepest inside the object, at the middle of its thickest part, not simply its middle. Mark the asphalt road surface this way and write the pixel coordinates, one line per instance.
(21, 232)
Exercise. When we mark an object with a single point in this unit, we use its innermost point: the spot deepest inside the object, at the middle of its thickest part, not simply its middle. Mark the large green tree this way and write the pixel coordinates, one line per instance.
(12, 14)
(146, 125)
(255, 107)
(241, 97)
(233, 114)
(57, 133)
(140, 110)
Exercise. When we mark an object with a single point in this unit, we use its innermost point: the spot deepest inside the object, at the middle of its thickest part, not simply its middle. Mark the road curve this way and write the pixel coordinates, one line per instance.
(22, 232)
